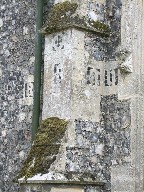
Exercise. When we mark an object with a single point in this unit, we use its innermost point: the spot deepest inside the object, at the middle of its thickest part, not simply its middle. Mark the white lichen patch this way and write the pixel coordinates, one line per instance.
(31, 60)
(1, 22)
(99, 149)
(22, 116)
(0, 72)
(25, 30)
(4, 133)
(93, 16)
(21, 154)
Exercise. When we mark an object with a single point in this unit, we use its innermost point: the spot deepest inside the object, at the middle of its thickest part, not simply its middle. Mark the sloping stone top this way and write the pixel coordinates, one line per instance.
(36, 168)
(64, 16)
(45, 147)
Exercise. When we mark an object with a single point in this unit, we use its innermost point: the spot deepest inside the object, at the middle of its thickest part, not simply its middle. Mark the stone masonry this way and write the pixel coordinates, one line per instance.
(92, 79)
(17, 34)
(83, 71)
(17, 41)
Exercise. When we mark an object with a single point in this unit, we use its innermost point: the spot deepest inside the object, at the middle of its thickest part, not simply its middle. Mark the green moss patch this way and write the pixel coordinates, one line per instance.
(60, 17)
(64, 16)
(45, 148)
(99, 26)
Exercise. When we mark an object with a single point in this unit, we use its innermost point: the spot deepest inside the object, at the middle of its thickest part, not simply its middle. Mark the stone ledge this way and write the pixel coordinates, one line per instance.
(61, 182)
(64, 16)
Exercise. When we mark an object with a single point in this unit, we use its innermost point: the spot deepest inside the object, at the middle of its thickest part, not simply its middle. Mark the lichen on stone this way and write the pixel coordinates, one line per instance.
(60, 17)
(64, 16)
(99, 25)
(45, 147)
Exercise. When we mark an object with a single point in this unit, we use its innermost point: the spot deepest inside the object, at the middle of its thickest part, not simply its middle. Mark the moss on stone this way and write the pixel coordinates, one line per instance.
(100, 26)
(60, 17)
(45, 148)
(64, 16)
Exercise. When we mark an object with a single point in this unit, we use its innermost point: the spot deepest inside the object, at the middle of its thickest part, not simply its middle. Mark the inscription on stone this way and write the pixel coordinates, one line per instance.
(28, 89)
(58, 43)
(57, 73)
(94, 77)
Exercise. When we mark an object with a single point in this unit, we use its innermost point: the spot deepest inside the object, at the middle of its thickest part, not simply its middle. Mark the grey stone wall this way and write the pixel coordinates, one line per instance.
(17, 33)
(97, 144)
(101, 145)
(100, 48)
(109, 139)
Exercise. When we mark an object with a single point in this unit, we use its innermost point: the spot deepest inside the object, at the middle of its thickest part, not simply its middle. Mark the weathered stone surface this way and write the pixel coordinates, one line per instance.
(105, 137)
(83, 88)
(17, 32)
(64, 15)
(123, 178)
(45, 147)
(100, 145)
(17, 36)
(73, 84)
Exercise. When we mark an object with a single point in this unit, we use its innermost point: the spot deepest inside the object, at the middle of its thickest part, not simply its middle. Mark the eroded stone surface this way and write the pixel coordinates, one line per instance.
(102, 99)
(17, 31)
(100, 145)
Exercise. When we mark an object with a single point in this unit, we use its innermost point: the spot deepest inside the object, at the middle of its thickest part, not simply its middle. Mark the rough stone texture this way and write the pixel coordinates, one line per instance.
(64, 16)
(122, 178)
(98, 135)
(17, 36)
(100, 145)
(45, 147)
(17, 33)
(131, 86)
(83, 84)
(81, 80)
(99, 48)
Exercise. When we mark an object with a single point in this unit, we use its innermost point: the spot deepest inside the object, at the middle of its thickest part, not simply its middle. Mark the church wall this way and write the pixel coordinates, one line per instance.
(108, 143)
(17, 34)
